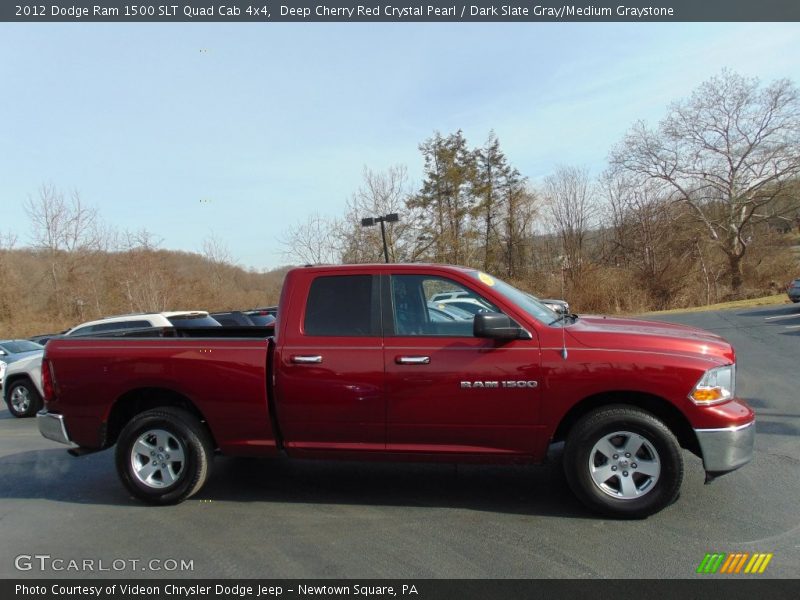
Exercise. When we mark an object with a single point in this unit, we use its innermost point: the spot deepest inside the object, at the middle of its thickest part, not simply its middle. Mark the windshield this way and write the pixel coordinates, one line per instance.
(21, 346)
(525, 301)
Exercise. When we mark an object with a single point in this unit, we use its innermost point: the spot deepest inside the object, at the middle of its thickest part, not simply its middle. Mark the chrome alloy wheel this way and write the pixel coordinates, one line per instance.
(624, 465)
(157, 458)
(21, 399)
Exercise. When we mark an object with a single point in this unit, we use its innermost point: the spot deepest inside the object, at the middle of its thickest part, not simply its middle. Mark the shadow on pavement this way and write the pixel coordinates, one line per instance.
(766, 426)
(525, 490)
(773, 311)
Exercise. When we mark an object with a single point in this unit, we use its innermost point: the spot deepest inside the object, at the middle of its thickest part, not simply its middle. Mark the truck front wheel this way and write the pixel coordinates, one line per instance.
(623, 462)
(164, 455)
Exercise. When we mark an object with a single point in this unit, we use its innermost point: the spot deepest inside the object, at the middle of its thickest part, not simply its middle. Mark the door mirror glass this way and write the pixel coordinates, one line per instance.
(498, 326)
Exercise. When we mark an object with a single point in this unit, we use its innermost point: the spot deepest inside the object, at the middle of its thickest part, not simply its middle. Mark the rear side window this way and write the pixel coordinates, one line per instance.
(120, 325)
(262, 320)
(112, 326)
(82, 330)
(190, 321)
(343, 305)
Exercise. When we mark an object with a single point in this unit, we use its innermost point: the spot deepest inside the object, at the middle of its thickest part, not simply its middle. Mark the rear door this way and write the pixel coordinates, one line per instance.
(448, 391)
(329, 365)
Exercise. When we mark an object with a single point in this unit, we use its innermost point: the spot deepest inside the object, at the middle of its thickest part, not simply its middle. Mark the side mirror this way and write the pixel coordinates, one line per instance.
(497, 326)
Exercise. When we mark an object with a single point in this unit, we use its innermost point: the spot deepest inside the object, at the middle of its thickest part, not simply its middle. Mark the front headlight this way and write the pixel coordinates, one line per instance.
(715, 386)
(2, 370)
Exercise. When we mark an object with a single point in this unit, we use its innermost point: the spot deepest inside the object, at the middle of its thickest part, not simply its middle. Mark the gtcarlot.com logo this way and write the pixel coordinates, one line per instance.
(735, 563)
(46, 562)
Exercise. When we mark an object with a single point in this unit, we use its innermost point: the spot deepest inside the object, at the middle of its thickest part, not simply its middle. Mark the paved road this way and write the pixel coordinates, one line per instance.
(277, 518)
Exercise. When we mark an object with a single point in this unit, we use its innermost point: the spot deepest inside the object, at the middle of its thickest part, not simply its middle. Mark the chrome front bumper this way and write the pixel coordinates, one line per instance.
(726, 449)
(52, 427)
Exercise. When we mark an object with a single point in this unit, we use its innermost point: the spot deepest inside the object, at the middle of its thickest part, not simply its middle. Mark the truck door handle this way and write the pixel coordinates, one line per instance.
(307, 359)
(413, 360)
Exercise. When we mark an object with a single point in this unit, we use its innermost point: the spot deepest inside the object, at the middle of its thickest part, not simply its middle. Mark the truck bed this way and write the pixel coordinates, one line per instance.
(220, 371)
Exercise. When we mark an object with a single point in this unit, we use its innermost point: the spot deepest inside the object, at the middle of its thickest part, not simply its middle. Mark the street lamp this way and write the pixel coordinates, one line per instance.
(390, 218)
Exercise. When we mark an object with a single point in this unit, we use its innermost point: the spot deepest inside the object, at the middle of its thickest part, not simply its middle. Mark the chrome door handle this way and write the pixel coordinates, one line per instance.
(307, 359)
(413, 360)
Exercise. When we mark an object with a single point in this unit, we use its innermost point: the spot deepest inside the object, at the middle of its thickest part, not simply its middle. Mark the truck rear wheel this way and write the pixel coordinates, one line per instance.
(623, 462)
(164, 455)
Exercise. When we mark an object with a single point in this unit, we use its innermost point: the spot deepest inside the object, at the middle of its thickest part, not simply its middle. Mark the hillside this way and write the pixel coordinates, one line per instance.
(43, 291)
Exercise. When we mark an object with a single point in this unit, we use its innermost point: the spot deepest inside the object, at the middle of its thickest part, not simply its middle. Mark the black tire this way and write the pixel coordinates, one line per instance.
(23, 399)
(659, 451)
(185, 437)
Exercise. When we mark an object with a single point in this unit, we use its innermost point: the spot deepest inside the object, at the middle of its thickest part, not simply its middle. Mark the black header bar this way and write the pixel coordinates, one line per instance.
(264, 11)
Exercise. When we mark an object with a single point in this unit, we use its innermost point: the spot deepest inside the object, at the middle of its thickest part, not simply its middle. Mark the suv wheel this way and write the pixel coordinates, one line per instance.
(23, 399)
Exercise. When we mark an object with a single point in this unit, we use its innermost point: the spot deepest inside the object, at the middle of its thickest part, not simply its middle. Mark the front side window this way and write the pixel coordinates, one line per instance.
(426, 305)
(343, 305)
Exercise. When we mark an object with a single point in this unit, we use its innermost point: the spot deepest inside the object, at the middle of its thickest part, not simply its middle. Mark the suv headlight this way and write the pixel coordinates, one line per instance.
(715, 386)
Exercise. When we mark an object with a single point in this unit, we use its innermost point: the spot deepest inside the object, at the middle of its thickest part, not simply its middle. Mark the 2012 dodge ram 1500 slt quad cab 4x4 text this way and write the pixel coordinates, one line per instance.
(358, 368)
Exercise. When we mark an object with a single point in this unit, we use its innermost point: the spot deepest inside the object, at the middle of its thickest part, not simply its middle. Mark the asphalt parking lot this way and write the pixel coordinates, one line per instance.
(279, 518)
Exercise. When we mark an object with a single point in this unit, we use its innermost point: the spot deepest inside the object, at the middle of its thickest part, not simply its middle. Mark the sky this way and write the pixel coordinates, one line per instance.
(239, 131)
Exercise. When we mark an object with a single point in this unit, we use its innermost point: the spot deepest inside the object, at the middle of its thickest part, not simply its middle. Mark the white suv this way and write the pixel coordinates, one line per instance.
(22, 382)
(183, 318)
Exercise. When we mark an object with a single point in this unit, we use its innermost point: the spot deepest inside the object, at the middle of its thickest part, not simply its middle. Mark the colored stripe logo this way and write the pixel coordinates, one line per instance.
(734, 563)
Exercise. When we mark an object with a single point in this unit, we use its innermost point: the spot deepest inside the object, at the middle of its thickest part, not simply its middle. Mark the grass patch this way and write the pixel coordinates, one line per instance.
(765, 301)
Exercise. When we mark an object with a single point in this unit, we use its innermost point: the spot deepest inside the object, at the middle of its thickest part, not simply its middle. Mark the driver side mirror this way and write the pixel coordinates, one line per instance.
(498, 326)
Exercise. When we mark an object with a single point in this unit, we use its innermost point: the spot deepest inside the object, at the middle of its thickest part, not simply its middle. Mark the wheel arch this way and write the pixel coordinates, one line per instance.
(12, 379)
(664, 410)
(139, 400)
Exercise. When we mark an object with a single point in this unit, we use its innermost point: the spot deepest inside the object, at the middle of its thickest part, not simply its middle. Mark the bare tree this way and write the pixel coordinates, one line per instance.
(644, 236)
(8, 289)
(727, 152)
(381, 193)
(61, 224)
(314, 241)
(216, 251)
(568, 194)
(219, 258)
(66, 230)
(146, 283)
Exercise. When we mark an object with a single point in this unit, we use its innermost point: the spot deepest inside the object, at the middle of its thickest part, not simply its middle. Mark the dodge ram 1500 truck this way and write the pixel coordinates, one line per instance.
(357, 368)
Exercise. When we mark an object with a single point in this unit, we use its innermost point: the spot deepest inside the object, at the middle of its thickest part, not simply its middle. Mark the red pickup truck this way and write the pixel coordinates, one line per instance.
(362, 367)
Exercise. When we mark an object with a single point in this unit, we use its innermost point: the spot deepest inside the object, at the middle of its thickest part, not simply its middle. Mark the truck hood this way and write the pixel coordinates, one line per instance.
(654, 336)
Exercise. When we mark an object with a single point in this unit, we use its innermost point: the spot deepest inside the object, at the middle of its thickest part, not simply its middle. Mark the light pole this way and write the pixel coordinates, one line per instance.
(390, 218)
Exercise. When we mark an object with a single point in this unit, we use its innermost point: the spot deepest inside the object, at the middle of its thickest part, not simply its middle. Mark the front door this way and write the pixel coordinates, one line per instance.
(446, 390)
